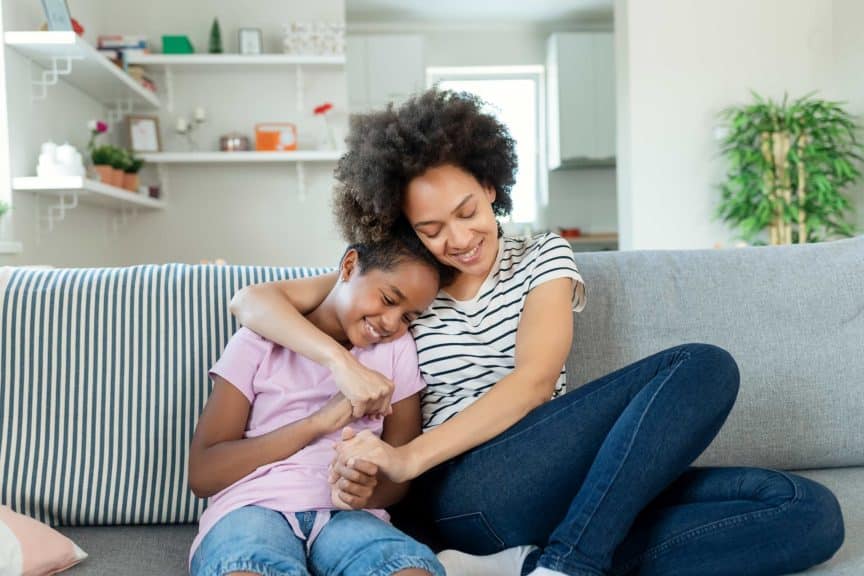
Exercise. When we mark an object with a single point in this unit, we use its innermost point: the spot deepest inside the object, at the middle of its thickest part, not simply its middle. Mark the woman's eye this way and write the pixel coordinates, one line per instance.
(471, 215)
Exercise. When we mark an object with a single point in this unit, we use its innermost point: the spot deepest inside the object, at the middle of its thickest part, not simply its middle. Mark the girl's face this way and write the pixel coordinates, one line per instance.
(452, 214)
(378, 305)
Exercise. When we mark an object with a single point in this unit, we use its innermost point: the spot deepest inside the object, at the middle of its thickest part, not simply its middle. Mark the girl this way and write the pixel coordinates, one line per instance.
(513, 476)
(263, 444)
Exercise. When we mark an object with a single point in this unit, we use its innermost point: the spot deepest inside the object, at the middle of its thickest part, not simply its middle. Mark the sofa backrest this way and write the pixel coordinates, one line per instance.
(792, 316)
(103, 373)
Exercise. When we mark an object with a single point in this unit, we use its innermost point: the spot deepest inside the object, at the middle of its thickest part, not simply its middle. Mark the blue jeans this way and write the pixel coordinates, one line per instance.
(600, 480)
(352, 543)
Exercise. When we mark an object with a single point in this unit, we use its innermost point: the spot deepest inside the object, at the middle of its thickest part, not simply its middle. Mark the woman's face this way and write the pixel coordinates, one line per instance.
(452, 215)
(378, 305)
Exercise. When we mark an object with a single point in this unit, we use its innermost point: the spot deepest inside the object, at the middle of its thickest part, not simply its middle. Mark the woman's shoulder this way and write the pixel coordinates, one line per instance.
(524, 249)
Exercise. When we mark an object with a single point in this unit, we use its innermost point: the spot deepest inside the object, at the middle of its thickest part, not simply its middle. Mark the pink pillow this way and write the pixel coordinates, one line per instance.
(30, 548)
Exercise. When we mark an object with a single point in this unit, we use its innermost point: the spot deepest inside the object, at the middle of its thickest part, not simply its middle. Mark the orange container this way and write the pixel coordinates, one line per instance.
(275, 136)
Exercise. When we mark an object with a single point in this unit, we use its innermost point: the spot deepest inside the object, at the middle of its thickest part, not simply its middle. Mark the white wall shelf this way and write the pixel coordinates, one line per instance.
(241, 157)
(69, 191)
(229, 62)
(11, 247)
(66, 54)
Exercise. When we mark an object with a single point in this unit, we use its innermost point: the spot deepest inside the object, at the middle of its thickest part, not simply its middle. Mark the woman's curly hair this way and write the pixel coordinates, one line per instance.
(387, 149)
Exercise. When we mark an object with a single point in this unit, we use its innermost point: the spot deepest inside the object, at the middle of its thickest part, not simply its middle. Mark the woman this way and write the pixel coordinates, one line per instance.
(514, 476)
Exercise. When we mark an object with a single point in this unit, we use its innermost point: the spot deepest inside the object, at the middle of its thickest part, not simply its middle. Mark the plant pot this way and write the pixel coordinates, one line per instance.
(106, 173)
(130, 182)
(117, 178)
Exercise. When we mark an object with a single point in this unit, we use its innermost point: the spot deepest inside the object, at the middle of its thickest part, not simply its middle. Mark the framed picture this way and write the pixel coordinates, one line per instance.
(144, 133)
(250, 41)
(57, 15)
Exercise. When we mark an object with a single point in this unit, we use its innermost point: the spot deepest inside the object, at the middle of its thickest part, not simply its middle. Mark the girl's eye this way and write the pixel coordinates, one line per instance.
(387, 301)
(406, 319)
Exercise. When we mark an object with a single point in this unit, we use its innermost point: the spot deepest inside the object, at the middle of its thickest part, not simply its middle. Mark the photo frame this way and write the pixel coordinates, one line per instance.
(250, 41)
(144, 133)
(57, 15)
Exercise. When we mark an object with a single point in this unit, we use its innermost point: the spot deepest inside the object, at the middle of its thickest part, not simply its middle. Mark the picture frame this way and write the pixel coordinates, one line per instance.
(57, 15)
(144, 133)
(250, 41)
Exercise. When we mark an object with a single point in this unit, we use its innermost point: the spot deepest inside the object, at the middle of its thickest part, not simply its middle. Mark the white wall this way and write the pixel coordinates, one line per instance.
(79, 240)
(686, 61)
(577, 198)
(243, 213)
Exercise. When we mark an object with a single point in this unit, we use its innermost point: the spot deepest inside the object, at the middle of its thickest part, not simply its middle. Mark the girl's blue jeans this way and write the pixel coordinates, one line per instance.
(600, 480)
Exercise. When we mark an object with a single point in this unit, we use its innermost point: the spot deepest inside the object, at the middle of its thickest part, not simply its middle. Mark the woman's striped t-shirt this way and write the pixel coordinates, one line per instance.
(466, 346)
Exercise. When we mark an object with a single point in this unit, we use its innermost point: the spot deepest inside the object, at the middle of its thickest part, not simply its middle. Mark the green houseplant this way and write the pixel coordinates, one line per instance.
(130, 173)
(789, 164)
(102, 157)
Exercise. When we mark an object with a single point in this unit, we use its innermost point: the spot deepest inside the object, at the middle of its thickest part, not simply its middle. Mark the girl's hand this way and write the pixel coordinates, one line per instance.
(335, 414)
(352, 487)
(395, 463)
(368, 391)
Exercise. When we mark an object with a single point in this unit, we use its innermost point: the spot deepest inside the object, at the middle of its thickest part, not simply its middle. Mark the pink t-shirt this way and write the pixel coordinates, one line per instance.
(283, 387)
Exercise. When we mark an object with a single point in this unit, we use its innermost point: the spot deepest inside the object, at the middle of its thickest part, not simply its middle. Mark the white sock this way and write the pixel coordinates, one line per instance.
(541, 571)
(505, 563)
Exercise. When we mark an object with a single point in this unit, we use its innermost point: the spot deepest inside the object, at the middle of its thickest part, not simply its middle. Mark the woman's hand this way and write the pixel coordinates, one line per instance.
(352, 488)
(368, 391)
(395, 463)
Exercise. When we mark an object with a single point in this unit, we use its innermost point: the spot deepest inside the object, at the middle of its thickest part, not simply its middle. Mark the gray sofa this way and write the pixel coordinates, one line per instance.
(793, 317)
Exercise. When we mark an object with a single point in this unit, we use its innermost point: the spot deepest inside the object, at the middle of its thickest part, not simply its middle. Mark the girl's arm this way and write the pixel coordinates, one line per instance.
(539, 358)
(362, 486)
(219, 455)
(275, 310)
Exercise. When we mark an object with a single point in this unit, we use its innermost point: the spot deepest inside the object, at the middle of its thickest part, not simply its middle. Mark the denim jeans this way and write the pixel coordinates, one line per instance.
(600, 480)
(352, 543)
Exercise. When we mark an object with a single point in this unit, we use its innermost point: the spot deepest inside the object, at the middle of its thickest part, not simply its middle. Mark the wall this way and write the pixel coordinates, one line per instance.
(244, 213)
(581, 198)
(684, 63)
(62, 117)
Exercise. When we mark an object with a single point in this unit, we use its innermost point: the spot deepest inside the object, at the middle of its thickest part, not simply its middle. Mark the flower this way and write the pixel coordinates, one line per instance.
(323, 108)
(97, 126)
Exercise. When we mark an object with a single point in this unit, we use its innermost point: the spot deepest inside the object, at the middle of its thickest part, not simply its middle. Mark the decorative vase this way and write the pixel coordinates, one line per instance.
(106, 173)
(130, 182)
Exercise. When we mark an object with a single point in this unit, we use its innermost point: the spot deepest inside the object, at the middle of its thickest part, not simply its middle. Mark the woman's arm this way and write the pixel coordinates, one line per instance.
(548, 310)
(219, 455)
(362, 486)
(275, 310)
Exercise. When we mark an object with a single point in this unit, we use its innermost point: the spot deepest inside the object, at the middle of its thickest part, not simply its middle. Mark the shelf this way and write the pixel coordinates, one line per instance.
(588, 242)
(241, 157)
(87, 191)
(223, 62)
(64, 54)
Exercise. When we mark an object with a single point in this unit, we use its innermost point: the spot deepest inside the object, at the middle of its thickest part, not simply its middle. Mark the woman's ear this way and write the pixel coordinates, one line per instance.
(490, 193)
(348, 266)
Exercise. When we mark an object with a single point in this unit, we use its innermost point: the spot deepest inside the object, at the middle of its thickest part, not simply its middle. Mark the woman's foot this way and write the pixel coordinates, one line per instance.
(505, 563)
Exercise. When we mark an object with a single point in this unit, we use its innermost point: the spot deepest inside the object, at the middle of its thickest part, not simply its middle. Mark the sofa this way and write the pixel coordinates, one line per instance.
(104, 374)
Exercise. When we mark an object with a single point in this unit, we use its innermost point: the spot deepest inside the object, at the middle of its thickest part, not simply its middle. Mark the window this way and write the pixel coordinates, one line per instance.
(513, 95)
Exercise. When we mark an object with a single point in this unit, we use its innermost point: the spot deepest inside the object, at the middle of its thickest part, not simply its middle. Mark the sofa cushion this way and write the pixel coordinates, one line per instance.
(146, 550)
(792, 316)
(104, 376)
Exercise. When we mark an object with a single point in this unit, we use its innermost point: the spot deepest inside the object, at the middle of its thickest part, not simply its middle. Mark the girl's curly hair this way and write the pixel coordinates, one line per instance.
(388, 148)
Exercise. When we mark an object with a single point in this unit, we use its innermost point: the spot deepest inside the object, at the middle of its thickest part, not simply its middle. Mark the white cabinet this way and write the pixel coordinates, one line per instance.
(383, 68)
(580, 93)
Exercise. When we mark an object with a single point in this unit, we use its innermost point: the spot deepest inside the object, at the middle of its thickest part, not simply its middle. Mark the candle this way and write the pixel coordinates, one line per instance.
(182, 125)
(200, 114)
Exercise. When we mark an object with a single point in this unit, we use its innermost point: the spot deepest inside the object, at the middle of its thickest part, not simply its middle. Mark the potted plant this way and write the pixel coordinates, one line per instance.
(130, 176)
(102, 157)
(119, 161)
(789, 165)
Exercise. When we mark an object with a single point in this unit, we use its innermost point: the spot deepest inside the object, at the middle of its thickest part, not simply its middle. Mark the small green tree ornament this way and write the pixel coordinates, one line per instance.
(215, 38)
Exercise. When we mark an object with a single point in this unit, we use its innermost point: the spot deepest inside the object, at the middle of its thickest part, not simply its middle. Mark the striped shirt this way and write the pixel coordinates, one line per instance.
(466, 346)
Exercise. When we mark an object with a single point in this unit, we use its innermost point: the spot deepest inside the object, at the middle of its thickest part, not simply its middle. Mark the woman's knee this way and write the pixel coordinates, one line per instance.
(721, 367)
(821, 519)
